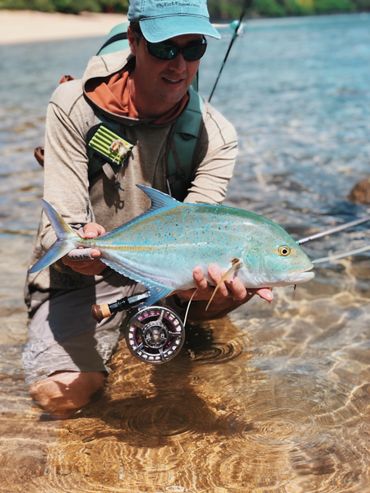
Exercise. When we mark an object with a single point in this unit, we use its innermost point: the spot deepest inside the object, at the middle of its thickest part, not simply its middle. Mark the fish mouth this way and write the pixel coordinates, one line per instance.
(298, 277)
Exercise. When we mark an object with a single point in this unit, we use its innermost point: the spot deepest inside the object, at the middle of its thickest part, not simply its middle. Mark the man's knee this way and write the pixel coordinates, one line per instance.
(63, 393)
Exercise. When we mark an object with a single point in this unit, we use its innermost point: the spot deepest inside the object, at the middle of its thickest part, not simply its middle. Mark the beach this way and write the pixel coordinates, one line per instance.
(25, 26)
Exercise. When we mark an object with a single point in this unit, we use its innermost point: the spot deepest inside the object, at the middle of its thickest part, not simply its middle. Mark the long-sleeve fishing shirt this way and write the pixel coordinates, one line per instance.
(70, 118)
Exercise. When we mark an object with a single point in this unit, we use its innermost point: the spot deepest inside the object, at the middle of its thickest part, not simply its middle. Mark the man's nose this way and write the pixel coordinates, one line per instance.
(178, 63)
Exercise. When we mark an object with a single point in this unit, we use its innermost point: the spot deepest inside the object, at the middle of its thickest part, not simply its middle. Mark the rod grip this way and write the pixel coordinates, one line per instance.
(99, 312)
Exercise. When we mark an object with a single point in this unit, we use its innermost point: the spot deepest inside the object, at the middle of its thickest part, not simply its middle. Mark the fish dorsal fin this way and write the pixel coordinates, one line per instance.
(159, 199)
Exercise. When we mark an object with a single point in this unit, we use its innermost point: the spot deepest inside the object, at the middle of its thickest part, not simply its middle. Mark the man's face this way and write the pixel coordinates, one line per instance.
(162, 82)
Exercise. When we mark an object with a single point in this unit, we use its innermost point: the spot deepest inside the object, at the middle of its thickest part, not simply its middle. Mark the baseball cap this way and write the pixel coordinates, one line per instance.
(164, 19)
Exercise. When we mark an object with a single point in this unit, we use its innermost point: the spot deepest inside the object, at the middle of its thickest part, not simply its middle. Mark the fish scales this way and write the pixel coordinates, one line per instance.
(161, 247)
(166, 247)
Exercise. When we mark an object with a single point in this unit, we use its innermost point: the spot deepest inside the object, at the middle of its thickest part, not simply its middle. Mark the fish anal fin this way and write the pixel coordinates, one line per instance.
(156, 290)
(156, 293)
(231, 273)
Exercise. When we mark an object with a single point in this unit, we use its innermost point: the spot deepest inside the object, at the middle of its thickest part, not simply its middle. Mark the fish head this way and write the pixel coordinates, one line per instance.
(274, 258)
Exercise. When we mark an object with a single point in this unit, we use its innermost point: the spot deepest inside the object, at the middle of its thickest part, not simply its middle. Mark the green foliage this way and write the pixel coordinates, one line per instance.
(114, 6)
(42, 5)
(333, 6)
(73, 7)
(299, 7)
(219, 9)
(225, 9)
(362, 4)
(12, 4)
(268, 8)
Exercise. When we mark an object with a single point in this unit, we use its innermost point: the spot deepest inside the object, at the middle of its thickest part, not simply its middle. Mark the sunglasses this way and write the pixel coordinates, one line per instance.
(166, 50)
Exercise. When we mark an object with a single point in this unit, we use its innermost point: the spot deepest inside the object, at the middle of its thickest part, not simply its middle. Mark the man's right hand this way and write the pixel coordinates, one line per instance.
(92, 265)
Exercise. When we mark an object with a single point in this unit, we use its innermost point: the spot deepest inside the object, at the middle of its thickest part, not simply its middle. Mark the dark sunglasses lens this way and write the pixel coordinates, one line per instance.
(194, 51)
(162, 51)
(165, 51)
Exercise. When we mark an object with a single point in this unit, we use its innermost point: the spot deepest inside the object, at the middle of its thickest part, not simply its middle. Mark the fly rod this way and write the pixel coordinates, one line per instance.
(335, 229)
(247, 4)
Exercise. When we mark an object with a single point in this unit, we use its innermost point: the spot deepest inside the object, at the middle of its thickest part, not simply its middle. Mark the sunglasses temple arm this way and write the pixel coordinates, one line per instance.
(336, 229)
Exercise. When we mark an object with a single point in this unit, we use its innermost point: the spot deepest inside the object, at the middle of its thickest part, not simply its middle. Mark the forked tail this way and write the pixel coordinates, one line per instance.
(67, 240)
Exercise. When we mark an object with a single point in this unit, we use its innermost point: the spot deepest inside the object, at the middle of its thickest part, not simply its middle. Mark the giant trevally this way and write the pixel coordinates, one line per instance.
(161, 247)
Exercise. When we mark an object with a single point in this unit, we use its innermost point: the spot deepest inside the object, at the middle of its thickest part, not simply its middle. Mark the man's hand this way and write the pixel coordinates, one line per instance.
(91, 265)
(230, 294)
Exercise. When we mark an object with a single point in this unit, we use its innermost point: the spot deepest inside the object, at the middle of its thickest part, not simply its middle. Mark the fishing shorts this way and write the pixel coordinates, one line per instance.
(63, 335)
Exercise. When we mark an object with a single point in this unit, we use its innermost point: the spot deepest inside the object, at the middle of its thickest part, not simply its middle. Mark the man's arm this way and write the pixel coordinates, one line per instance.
(217, 152)
(66, 184)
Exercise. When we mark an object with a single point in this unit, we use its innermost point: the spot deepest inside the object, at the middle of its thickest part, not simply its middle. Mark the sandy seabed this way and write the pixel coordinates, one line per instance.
(29, 26)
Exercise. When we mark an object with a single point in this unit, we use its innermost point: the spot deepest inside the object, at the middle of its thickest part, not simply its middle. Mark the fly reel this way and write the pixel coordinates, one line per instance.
(155, 334)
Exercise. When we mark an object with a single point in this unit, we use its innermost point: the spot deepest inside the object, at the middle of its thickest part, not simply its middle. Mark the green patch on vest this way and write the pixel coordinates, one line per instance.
(110, 146)
(184, 134)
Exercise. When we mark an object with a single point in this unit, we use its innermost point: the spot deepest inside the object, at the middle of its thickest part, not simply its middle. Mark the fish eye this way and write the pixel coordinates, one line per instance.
(284, 251)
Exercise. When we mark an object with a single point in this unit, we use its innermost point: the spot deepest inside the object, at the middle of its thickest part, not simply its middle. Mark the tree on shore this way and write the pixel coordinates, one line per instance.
(219, 9)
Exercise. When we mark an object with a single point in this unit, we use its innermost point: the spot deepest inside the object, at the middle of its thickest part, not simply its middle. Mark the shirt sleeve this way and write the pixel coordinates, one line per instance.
(217, 150)
(66, 184)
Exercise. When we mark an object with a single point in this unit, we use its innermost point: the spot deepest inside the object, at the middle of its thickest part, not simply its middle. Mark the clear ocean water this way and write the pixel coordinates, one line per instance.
(273, 399)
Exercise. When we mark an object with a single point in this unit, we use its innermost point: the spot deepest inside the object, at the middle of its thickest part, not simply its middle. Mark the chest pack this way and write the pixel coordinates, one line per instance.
(180, 156)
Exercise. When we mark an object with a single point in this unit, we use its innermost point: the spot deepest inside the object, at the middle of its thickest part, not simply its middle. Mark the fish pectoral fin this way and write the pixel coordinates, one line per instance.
(156, 293)
(231, 273)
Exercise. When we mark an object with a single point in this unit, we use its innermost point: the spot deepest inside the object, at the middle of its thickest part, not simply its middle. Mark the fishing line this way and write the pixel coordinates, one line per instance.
(247, 4)
(341, 255)
(188, 307)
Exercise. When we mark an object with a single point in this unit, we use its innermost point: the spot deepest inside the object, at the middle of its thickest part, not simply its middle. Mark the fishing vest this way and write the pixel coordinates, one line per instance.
(184, 134)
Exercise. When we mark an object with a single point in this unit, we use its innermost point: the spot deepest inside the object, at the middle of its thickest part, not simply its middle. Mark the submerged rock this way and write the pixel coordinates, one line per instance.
(360, 193)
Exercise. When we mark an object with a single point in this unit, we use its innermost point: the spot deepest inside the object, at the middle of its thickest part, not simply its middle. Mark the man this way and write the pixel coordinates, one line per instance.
(143, 92)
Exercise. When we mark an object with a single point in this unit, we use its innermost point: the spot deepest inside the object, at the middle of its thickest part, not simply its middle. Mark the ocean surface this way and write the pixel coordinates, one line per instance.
(273, 399)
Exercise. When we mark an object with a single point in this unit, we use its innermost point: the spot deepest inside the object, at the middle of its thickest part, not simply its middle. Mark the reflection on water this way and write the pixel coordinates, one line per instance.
(274, 399)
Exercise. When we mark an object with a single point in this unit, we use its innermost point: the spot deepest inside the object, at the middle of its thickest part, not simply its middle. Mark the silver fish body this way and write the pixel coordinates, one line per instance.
(161, 247)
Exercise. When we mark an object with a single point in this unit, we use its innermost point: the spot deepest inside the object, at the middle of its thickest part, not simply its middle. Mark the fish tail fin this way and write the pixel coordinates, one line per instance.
(57, 251)
(66, 239)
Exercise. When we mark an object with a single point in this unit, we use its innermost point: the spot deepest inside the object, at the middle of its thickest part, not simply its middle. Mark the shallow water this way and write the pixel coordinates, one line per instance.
(273, 399)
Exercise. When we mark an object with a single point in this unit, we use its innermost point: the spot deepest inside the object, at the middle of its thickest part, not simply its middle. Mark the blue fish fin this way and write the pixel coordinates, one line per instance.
(159, 199)
(66, 239)
(156, 293)
(156, 290)
(61, 228)
(57, 251)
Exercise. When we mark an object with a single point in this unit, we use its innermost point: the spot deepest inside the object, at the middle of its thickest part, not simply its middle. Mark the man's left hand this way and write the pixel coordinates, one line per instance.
(230, 293)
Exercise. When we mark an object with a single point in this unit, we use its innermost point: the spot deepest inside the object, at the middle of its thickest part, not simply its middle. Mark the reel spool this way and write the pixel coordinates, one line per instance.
(155, 334)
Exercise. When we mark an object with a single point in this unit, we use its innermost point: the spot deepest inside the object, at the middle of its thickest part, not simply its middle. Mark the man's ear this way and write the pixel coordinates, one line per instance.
(132, 40)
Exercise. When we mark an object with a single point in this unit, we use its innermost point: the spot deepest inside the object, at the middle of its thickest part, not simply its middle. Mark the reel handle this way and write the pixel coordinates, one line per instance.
(105, 310)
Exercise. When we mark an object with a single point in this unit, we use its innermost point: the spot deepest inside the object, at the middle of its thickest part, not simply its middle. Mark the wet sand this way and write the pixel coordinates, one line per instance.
(29, 26)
